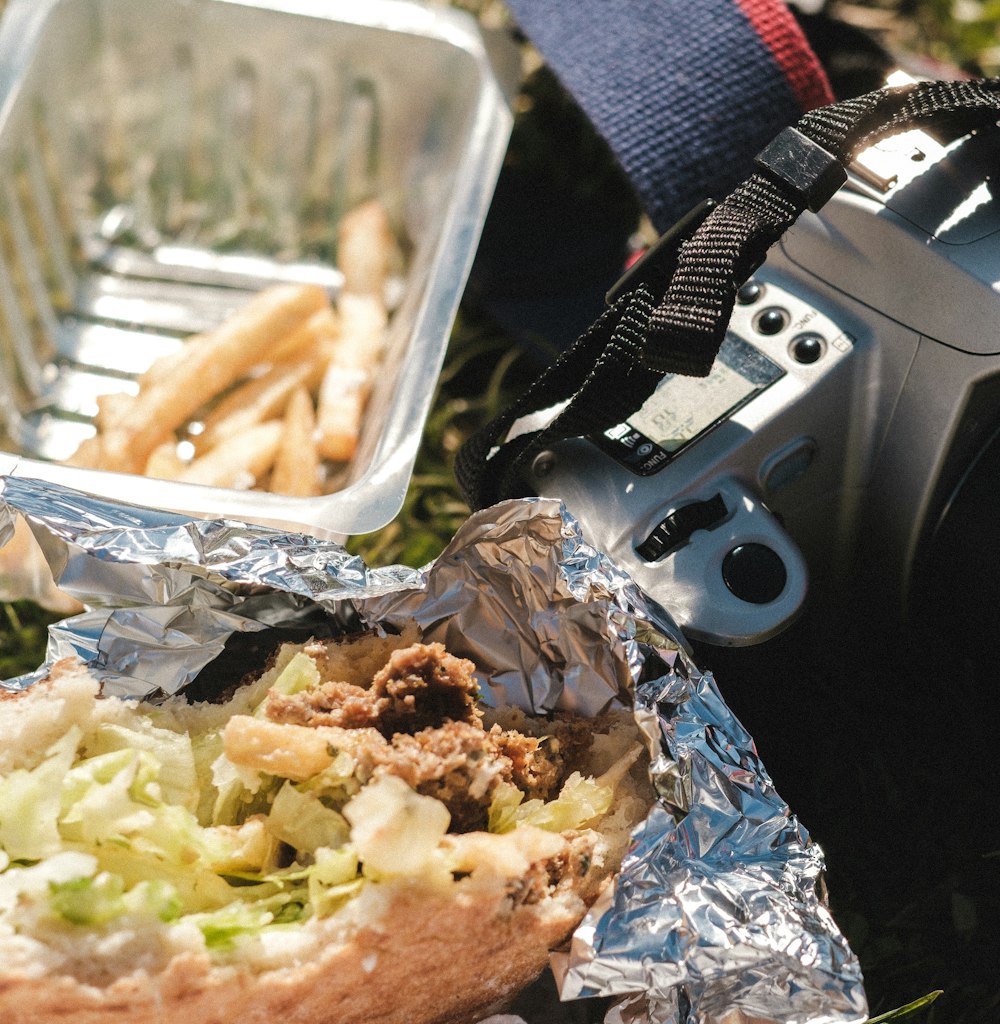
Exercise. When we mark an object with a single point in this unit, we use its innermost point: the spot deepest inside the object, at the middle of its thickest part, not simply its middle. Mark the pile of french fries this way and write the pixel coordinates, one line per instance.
(273, 397)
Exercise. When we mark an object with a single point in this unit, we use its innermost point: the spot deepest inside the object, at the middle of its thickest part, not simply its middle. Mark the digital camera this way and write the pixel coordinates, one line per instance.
(849, 427)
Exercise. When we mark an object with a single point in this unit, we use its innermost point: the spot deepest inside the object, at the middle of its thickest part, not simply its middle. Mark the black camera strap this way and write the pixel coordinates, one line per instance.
(670, 312)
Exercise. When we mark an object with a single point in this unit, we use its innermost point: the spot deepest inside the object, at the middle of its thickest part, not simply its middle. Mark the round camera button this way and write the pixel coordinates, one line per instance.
(807, 348)
(749, 293)
(754, 573)
(771, 321)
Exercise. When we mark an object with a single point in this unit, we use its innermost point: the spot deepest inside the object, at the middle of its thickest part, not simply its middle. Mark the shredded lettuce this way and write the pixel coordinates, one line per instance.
(30, 803)
(303, 821)
(171, 752)
(334, 878)
(197, 885)
(95, 899)
(88, 900)
(206, 749)
(301, 673)
(223, 928)
(235, 789)
(336, 783)
(113, 807)
(34, 880)
(109, 797)
(579, 801)
(155, 898)
(248, 847)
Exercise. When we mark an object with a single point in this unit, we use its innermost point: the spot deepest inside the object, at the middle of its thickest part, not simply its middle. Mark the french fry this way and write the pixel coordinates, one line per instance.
(213, 361)
(318, 335)
(162, 368)
(279, 386)
(287, 348)
(164, 463)
(111, 408)
(296, 466)
(342, 399)
(318, 332)
(365, 248)
(363, 320)
(239, 461)
(348, 379)
(257, 400)
(88, 453)
(291, 751)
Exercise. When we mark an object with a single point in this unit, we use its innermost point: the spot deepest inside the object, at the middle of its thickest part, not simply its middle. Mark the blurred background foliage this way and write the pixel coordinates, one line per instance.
(891, 775)
(961, 33)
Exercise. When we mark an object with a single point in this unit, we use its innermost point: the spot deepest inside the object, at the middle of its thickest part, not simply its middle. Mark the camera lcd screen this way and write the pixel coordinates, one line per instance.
(683, 408)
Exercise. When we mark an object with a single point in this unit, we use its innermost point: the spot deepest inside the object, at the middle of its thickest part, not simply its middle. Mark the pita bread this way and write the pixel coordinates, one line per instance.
(443, 949)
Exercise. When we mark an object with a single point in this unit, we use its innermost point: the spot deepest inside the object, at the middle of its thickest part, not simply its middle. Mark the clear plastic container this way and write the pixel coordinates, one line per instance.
(161, 161)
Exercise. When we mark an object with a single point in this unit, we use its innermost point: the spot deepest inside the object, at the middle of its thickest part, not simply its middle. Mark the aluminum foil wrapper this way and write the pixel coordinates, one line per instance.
(718, 915)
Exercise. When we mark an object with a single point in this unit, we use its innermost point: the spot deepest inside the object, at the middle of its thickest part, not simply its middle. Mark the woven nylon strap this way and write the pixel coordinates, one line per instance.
(675, 317)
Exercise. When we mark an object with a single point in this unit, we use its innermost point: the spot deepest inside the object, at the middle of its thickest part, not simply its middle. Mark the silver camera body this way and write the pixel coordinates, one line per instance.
(858, 387)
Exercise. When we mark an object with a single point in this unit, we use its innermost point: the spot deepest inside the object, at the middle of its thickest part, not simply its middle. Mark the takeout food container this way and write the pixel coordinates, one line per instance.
(161, 162)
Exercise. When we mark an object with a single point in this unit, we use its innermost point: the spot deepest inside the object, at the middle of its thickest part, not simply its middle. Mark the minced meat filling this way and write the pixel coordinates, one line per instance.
(544, 877)
(419, 721)
(419, 686)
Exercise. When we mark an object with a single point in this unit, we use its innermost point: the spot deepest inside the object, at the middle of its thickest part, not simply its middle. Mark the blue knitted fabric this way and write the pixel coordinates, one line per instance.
(686, 92)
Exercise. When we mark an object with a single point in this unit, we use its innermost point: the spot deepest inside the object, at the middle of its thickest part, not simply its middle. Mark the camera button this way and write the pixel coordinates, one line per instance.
(787, 465)
(807, 348)
(772, 320)
(749, 293)
(754, 573)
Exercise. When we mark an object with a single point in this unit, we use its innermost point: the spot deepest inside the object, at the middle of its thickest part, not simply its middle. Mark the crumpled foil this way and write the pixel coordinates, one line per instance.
(718, 915)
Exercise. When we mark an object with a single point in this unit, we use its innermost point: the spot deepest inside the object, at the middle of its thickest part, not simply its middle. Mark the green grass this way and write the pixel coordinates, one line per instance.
(482, 371)
(23, 632)
(906, 1011)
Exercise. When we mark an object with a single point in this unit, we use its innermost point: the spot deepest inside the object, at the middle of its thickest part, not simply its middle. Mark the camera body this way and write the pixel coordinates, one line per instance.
(847, 430)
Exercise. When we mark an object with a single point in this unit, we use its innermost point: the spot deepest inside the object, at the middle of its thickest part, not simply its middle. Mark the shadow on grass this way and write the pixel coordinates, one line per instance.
(885, 747)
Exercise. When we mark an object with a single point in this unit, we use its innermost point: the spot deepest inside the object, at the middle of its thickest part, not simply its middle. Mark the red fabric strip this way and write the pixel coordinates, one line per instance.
(779, 30)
